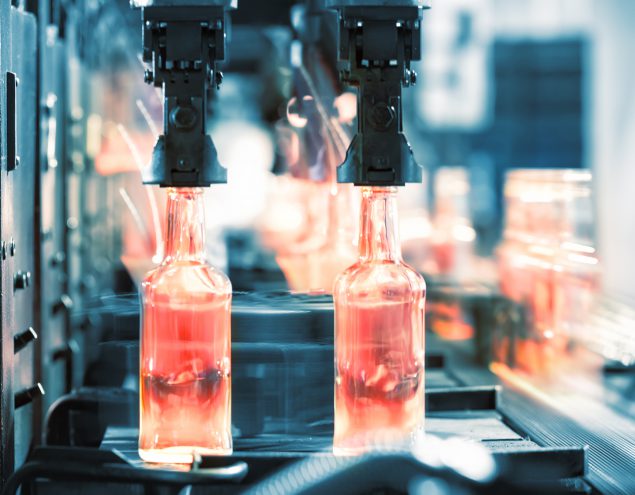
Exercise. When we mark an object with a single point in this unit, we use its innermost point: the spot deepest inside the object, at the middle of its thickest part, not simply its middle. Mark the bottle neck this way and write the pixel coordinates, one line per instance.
(185, 238)
(379, 228)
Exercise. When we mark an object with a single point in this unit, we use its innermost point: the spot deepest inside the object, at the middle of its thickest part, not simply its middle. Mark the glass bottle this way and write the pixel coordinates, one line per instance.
(379, 336)
(185, 344)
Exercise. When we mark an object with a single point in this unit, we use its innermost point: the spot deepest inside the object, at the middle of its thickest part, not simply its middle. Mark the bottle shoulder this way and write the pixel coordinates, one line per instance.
(190, 277)
(389, 276)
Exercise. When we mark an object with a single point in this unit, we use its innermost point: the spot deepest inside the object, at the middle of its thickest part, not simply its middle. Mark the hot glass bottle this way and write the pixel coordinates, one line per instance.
(379, 337)
(185, 344)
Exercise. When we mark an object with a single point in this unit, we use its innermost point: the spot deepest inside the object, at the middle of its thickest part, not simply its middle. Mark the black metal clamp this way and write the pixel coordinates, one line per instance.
(98, 466)
(182, 42)
(377, 42)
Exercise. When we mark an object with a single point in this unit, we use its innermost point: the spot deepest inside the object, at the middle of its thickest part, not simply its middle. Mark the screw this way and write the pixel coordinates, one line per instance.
(58, 258)
(3, 250)
(407, 76)
(72, 223)
(17, 161)
(413, 77)
(12, 247)
(382, 116)
(148, 76)
(219, 79)
(65, 303)
(183, 117)
(22, 280)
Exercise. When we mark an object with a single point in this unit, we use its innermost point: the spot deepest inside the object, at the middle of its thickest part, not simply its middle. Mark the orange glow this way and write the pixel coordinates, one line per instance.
(115, 156)
(508, 375)
(447, 321)
(324, 247)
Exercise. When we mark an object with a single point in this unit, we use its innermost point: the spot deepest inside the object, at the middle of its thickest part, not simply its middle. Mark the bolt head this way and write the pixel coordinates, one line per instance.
(22, 280)
(12, 247)
(148, 76)
(381, 116)
(183, 117)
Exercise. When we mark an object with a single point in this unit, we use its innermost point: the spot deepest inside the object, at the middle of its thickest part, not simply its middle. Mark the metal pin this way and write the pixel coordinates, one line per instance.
(27, 396)
(21, 340)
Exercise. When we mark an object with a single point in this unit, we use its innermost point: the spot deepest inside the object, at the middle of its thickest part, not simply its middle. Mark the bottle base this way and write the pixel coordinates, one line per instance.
(377, 440)
(179, 455)
(351, 451)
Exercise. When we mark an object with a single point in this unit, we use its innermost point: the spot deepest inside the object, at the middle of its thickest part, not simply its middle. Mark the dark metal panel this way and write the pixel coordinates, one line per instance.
(18, 56)
(22, 182)
(6, 267)
(55, 302)
(78, 237)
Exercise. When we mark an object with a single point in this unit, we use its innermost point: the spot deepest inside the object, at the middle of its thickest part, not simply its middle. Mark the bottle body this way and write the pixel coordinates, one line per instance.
(185, 387)
(379, 338)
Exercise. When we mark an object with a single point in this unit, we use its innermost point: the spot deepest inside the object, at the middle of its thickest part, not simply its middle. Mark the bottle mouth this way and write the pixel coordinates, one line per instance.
(185, 191)
(378, 191)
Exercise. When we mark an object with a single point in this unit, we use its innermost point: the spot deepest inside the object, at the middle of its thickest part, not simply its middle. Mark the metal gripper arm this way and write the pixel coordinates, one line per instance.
(377, 41)
(182, 42)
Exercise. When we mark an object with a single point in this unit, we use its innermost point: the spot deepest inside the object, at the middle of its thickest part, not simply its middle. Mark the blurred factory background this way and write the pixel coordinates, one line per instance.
(523, 119)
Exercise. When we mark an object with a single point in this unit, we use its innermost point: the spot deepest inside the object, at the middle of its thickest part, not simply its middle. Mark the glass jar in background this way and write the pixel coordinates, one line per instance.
(578, 274)
(546, 264)
(379, 337)
(185, 368)
(527, 267)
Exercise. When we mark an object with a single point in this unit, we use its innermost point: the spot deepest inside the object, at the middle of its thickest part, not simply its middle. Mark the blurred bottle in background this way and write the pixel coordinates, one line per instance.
(453, 237)
(451, 257)
(308, 221)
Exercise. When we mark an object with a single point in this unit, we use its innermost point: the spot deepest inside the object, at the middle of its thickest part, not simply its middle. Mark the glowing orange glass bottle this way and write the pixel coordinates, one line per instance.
(379, 337)
(185, 344)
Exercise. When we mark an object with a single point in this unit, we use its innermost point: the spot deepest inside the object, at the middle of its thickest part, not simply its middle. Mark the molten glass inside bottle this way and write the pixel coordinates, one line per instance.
(185, 345)
(379, 337)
